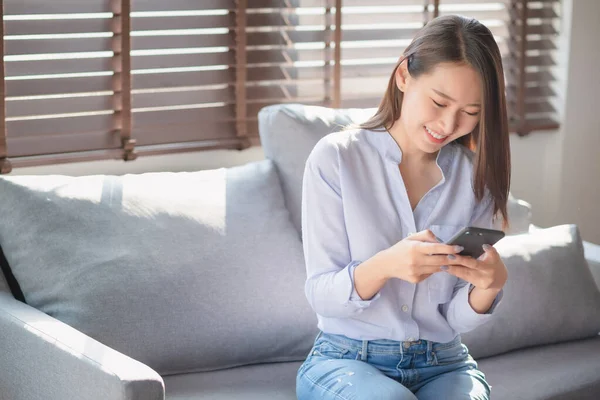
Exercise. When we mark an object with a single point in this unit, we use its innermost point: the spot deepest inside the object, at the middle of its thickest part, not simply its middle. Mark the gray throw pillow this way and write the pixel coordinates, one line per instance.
(288, 133)
(181, 271)
(550, 296)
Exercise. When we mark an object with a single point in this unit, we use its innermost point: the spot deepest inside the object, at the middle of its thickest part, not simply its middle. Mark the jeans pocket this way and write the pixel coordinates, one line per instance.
(330, 350)
(450, 355)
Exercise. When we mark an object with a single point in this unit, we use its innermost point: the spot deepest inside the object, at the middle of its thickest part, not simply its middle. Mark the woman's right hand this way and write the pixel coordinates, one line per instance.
(417, 257)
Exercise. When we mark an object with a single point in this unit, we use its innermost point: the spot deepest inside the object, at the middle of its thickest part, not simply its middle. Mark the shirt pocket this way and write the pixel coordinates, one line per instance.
(440, 286)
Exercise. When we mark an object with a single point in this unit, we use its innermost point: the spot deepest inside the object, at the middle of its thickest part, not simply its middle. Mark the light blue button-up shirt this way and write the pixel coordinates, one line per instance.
(354, 204)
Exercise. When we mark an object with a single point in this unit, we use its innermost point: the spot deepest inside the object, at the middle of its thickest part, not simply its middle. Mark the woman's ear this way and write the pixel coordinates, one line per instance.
(402, 76)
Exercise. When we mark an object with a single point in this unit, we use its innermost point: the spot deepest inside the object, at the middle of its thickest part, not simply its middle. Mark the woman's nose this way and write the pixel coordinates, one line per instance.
(449, 123)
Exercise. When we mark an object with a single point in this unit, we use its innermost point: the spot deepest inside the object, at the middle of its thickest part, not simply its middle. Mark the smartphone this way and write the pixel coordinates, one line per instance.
(472, 239)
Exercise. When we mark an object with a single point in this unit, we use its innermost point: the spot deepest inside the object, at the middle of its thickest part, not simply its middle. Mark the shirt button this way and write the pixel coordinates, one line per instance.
(405, 308)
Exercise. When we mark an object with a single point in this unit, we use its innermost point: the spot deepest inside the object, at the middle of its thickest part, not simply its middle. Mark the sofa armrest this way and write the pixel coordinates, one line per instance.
(592, 255)
(592, 251)
(41, 357)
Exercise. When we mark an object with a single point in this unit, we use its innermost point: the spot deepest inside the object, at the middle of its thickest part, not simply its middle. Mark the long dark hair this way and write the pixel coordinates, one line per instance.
(458, 39)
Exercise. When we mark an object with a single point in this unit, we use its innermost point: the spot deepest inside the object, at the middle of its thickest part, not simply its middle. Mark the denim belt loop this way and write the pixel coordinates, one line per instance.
(363, 351)
(430, 353)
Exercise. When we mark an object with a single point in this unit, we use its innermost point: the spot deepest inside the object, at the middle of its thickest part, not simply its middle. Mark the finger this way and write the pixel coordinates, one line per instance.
(490, 254)
(461, 272)
(465, 261)
(424, 236)
(439, 248)
(435, 260)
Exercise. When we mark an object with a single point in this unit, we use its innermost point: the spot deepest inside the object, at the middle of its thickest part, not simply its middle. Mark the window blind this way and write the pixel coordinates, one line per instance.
(120, 78)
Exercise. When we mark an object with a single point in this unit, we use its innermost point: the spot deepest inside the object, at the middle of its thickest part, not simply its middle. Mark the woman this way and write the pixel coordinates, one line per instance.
(391, 303)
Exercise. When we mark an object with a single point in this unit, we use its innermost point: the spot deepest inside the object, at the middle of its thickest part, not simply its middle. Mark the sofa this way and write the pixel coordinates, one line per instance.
(190, 285)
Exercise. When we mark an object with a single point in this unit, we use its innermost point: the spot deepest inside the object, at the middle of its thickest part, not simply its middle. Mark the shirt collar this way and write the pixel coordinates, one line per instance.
(389, 149)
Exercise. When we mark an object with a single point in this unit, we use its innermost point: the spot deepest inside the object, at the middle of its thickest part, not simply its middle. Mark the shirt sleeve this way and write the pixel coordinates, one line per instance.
(330, 270)
(458, 312)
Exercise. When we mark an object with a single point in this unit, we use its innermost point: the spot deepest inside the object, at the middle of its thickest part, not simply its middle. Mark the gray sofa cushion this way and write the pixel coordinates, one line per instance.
(181, 271)
(550, 295)
(288, 133)
(275, 381)
(565, 371)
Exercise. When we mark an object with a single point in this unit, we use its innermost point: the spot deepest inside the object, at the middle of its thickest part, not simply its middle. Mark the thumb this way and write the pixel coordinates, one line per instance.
(424, 236)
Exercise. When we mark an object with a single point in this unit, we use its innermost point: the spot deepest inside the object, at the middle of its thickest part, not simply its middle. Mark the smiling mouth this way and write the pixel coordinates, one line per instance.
(438, 137)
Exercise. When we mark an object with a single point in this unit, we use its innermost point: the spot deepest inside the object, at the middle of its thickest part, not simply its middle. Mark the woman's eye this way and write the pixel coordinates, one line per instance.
(472, 114)
(438, 104)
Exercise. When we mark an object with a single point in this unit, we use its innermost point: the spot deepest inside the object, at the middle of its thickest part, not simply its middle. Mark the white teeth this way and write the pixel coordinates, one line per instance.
(435, 135)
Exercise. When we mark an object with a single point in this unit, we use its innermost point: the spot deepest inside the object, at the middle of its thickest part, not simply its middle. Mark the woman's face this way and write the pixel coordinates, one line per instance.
(440, 106)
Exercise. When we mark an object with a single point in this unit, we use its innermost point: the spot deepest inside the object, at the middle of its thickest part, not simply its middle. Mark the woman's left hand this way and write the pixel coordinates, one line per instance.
(485, 272)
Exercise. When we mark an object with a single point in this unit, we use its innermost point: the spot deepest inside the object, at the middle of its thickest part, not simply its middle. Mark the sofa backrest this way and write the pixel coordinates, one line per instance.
(181, 271)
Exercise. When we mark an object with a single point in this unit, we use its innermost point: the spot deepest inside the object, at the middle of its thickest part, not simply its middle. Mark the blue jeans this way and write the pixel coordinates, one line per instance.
(342, 368)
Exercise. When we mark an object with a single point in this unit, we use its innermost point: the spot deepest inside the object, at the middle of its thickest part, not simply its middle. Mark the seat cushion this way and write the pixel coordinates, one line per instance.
(564, 371)
(181, 271)
(550, 296)
(275, 381)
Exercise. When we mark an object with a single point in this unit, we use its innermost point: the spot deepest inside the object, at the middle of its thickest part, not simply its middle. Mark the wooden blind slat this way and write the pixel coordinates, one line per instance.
(36, 87)
(33, 7)
(544, 91)
(184, 132)
(150, 99)
(160, 23)
(53, 67)
(52, 144)
(54, 46)
(181, 79)
(63, 105)
(185, 116)
(181, 41)
(55, 126)
(538, 107)
(65, 26)
(141, 63)
(185, 5)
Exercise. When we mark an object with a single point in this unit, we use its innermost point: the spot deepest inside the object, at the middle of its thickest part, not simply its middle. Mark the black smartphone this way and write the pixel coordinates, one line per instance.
(472, 239)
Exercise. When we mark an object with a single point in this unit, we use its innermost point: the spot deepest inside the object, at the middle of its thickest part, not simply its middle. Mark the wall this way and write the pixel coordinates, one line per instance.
(558, 172)
(576, 180)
